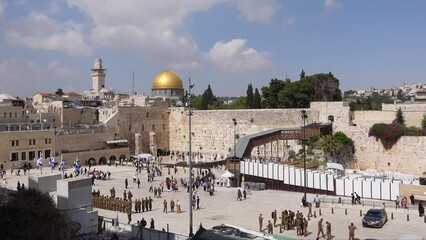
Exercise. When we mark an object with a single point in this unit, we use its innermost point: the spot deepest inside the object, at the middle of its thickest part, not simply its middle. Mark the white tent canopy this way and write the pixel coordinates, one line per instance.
(227, 174)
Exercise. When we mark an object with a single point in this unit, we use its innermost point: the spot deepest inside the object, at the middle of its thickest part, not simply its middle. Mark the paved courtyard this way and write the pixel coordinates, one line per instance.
(222, 208)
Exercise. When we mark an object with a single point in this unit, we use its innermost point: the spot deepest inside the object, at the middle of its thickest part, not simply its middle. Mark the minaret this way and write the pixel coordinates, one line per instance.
(98, 75)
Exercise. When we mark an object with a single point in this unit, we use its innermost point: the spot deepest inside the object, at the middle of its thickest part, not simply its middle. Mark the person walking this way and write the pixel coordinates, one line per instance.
(270, 227)
(421, 209)
(328, 230)
(126, 183)
(152, 224)
(320, 228)
(351, 231)
(165, 206)
(139, 183)
(198, 202)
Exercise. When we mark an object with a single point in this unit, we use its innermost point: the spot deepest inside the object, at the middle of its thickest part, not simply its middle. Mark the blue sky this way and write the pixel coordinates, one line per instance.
(46, 45)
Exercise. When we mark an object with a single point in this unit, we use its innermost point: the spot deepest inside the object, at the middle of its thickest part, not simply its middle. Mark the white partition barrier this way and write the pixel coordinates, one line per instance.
(316, 180)
(357, 185)
(309, 179)
(256, 169)
(376, 189)
(386, 189)
(348, 187)
(366, 188)
(264, 170)
(251, 168)
(271, 170)
(292, 176)
(287, 174)
(340, 186)
(299, 174)
(280, 172)
(395, 189)
(276, 171)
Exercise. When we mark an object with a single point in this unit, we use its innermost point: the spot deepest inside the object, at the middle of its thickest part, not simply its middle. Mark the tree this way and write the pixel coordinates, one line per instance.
(302, 74)
(400, 95)
(207, 99)
(257, 100)
(329, 145)
(250, 97)
(30, 214)
(270, 93)
(59, 92)
(399, 118)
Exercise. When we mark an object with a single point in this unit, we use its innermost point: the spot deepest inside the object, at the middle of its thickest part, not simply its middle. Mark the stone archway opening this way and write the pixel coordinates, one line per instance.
(102, 161)
(91, 161)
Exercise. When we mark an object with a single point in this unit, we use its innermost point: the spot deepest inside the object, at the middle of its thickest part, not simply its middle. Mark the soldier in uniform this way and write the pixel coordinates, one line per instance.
(172, 205)
(129, 215)
(150, 203)
(298, 223)
(274, 217)
(328, 230)
(351, 231)
(239, 195)
(143, 204)
(305, 226)
(129, 195)
(165, 206)
(112, 191)
(320, 228)
(270, 227)
(260, 222)
(146, 204)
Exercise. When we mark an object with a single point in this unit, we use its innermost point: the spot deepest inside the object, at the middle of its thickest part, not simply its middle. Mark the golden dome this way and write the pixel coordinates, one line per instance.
(167, 80)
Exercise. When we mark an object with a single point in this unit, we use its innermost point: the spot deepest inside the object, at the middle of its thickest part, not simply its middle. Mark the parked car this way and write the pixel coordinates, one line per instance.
(375, 218)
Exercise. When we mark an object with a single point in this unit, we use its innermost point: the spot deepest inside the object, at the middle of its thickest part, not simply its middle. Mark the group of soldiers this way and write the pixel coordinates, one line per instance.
(291, 220)
(172, 206)
(112, 204)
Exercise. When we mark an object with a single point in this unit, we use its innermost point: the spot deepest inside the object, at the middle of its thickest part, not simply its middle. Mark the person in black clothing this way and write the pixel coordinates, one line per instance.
(126, 183)
(412, 199)
(143, 223)
(152, 224)
(353, 198)
(421, 209)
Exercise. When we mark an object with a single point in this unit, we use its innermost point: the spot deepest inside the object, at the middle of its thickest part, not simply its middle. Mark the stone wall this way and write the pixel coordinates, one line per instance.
(143, 120)
(213, 130)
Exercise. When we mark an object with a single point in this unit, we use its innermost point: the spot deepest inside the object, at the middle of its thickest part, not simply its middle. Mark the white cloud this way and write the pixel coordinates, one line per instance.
(333, 4)
(288, 22)
(152, 30)
(38, 31)
(235, 57)
(257, 11)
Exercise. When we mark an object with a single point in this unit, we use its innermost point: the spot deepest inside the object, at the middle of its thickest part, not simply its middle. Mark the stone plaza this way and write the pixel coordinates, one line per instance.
(222, 207)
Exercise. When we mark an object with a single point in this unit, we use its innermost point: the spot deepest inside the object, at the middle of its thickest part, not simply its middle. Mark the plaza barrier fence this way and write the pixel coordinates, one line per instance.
(319, 181)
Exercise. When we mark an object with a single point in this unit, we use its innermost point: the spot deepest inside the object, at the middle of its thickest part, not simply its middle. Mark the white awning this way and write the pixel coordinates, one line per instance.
(117, 141)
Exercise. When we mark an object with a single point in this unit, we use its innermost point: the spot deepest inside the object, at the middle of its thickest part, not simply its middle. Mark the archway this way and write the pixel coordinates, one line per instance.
(102, 161)
(122, 157)
(92, 161)
(14, 127)
(112, 159)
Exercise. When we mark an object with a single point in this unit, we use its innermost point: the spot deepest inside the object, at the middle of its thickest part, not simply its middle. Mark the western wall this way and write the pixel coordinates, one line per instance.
(213, 132)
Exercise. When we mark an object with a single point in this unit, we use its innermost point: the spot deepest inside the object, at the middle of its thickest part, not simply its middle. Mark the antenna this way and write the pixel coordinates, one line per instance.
(133, 83)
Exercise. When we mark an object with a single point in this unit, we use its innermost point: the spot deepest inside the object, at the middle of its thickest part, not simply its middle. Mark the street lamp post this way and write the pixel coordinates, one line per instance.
(191, 233)
(235, 151)
(304, 117)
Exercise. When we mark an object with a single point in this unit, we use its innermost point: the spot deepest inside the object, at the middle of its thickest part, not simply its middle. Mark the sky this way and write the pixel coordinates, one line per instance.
(227, 44)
